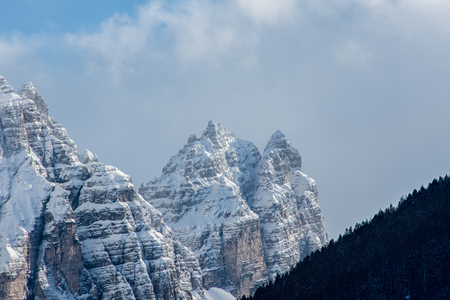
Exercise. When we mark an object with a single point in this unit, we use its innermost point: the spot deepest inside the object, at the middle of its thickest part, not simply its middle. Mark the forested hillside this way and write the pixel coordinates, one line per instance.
(403, 252)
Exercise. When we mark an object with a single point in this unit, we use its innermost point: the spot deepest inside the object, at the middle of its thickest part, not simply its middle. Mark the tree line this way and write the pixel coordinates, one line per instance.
(403, 252)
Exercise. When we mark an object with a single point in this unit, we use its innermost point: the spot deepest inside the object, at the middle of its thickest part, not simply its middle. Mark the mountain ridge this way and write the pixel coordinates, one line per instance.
(75, 228)
(220, 179)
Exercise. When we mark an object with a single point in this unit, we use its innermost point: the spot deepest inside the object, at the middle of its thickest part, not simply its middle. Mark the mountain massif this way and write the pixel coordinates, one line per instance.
(74, 228)
(403, 252)
(246, 216)
(221, 215)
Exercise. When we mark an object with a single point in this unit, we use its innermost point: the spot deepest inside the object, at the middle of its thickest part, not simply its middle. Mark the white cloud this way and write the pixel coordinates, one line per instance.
(268, 11)
(12, 49)
(211, 32)
(194, 30)
(353, 54)
(118, 39)
(406, 13)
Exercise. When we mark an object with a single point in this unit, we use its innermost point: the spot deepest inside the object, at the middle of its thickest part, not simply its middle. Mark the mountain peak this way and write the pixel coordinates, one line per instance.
(5, 87)
(215, 132)
(28, 91)
(278, 135)
(28, 86)
(212, 123)
(277, 141)
(192, 138)
(212, 129)
(88, 157)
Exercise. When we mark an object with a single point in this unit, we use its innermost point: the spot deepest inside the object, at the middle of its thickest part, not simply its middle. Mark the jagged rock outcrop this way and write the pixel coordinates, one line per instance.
(60, 268)
(229, 204)
(286, 201)
(74, 229)
(203, 195)
(35, 215)
(127, 248)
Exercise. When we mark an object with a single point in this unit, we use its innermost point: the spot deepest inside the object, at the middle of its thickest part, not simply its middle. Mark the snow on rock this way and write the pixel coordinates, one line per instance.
(246, 217)
(127, 247)
(59, 261)
(286, 201)
(203, 194)
(73, 228)
(218, 294)
(23, 197)
(88, 157)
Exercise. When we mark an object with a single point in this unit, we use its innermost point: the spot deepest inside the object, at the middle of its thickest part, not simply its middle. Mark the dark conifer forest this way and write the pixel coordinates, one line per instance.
(403, 252)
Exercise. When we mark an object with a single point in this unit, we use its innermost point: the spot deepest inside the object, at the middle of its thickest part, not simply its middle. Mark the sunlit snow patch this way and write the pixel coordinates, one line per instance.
(218, 294)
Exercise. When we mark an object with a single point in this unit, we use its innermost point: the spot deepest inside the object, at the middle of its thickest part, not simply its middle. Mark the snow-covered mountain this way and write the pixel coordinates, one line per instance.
(286, 200)
(222, 217)
(74, 228)
(202, 195)
(246, 217)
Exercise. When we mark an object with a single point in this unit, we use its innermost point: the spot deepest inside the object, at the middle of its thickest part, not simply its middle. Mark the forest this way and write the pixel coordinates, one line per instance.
(403, 252)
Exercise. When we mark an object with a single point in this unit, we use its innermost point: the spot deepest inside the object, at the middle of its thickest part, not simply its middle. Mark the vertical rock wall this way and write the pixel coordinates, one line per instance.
(74, 229)
(246, 218)
(203, 195)
(286, 201)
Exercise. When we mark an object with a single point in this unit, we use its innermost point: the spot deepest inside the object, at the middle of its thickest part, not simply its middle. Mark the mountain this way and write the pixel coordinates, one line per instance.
(246, 216)
(401, 253)
(202, 195)
(222, 217)
(72, 227)
(286, 200)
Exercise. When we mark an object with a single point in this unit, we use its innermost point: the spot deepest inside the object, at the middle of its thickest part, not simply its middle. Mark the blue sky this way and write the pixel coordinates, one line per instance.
(32, 17)
(360, 88)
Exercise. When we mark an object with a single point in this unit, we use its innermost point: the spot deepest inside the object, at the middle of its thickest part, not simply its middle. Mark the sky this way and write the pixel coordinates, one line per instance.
(360, 87)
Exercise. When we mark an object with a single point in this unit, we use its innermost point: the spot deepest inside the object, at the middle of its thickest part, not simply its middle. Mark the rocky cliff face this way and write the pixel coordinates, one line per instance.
(246, 217)
(286, 201)
(203, 195)
(127, 248)
(74, 229)
(38, 237)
